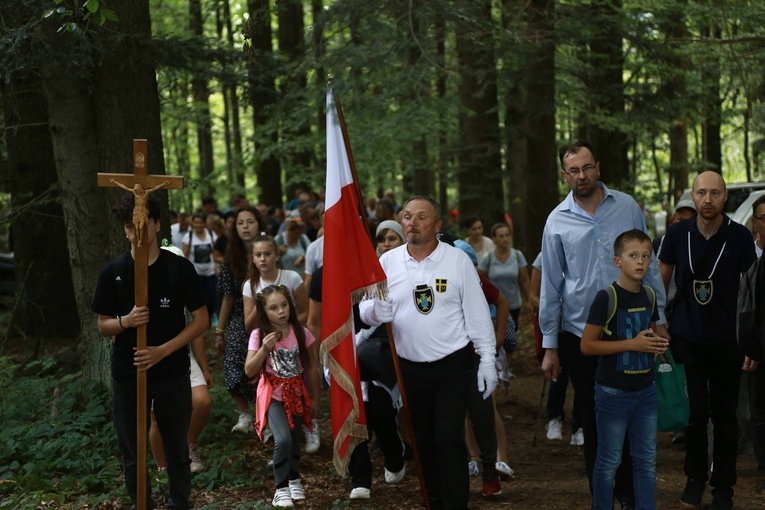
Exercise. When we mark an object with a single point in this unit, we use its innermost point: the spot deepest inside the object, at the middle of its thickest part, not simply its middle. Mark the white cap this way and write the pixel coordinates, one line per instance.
(685, 204)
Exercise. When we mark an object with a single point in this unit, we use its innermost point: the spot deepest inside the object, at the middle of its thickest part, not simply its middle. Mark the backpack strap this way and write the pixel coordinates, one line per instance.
(612, 301)
(652, 292)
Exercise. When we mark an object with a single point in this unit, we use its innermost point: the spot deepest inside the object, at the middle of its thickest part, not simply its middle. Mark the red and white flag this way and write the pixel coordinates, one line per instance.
(351, 271)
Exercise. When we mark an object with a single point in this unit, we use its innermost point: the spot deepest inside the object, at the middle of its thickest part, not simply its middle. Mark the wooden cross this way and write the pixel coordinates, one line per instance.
(141, 184)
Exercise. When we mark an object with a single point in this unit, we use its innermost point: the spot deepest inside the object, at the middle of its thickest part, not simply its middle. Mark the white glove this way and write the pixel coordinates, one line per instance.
(375, 311)
(487, 377)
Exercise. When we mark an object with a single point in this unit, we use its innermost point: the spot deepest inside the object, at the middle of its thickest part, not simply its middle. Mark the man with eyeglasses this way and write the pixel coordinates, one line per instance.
(708, 253)
(577, 261)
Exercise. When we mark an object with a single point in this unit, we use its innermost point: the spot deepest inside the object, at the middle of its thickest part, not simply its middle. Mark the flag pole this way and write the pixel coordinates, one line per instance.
(359, 195)
(396, 366)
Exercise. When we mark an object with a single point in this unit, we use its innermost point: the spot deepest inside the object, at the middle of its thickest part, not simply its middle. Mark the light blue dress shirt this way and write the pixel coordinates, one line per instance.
(578, 261)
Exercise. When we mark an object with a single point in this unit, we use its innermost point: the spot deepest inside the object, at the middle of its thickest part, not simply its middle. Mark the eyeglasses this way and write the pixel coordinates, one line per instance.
(574, 172)
(715, 193)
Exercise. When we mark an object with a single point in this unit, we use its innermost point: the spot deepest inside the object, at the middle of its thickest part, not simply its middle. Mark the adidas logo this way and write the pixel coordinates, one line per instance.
(118, 279)
(164, 303)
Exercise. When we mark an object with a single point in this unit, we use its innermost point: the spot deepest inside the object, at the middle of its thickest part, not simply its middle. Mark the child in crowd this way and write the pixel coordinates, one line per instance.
(264, 271)
(280, 350)
(620, 330)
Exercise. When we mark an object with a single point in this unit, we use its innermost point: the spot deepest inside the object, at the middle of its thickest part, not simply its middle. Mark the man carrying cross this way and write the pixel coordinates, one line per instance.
(172, 286)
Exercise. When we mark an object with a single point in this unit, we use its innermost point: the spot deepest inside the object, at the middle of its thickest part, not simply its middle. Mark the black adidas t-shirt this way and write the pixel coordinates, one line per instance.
(173, 286)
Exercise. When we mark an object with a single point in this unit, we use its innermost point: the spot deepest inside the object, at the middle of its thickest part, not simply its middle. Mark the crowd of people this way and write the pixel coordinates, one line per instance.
(598, 291)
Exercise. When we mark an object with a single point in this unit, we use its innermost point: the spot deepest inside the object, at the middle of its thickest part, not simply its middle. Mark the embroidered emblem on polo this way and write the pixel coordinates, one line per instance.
(441, 285)
(164, 302)
(423, 299)
(702, 291)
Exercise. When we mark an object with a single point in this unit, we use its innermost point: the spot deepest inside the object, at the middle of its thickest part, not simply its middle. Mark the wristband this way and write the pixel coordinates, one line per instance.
(220, 331)
(119, 319)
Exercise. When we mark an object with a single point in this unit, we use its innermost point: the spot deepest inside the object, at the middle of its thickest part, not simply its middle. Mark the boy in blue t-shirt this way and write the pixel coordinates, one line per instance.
(625, 394)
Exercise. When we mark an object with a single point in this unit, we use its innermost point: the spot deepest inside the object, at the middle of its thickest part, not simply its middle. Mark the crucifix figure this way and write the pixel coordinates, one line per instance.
(124, 312)
(140, 214)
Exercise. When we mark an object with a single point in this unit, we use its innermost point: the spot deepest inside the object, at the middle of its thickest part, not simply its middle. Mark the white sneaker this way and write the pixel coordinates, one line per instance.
(244, 424)
(282, 498)
(296, 489)
(267, 435)
(504, 470)
(312, 439)
(577, 438)
(554, 429)
(197, 466)
(361, 493)
(473, 468)
(396, 477)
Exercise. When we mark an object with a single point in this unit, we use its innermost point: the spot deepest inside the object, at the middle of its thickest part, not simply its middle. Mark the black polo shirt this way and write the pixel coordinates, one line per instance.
(714, 321)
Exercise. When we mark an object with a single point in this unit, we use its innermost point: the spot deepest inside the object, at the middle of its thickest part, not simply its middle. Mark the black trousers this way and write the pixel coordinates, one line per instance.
(481, 413)
(581, 373)
(172, 408)
(381, 420)
(755, 382)
(713, 374)
(556, 400)
(437, 395)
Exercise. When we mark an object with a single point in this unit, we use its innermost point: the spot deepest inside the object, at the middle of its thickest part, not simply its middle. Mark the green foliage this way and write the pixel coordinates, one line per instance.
(76, 20)
(57, 440)
(58, 444)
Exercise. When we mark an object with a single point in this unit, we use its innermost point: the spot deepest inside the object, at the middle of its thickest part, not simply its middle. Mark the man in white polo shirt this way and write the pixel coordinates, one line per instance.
(437, 308)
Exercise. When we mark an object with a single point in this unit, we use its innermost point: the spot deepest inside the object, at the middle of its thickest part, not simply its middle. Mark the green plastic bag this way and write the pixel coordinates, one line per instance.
(672, 394)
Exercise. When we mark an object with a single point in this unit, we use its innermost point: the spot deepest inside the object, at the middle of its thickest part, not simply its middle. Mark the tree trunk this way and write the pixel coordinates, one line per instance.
(443, 153)
(423, 178)
(516, 131)
(262, 79)
(542, 169)
(233, 106)
(201, 96)
(675, 90)
(92, 124)
(293, 83)
(605, 89)
(480, 167)
(44, 293)
(710, 80)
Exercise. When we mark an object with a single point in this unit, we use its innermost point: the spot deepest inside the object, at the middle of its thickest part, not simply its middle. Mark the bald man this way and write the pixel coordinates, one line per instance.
(708, 252)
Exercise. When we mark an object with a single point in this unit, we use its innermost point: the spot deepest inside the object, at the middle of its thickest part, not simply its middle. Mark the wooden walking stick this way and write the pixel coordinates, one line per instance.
(141, 184)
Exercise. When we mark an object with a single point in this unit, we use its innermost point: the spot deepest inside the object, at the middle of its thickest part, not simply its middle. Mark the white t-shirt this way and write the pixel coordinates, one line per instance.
(450, 310)
(176, 236)
(289, 279)
(314, 256)
(200, 252)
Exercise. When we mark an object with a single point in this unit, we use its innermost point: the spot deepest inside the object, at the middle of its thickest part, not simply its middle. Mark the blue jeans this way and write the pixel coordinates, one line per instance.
(618, 412)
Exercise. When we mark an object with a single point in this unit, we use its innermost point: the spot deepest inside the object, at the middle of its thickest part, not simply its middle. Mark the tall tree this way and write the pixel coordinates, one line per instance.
(605, 118)
(262, 70)
(98, 102)
(45, 305)
(675, 89)
(291, 36)
(201, 95)
(480, 161)
(710, 79)
(541, 168)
